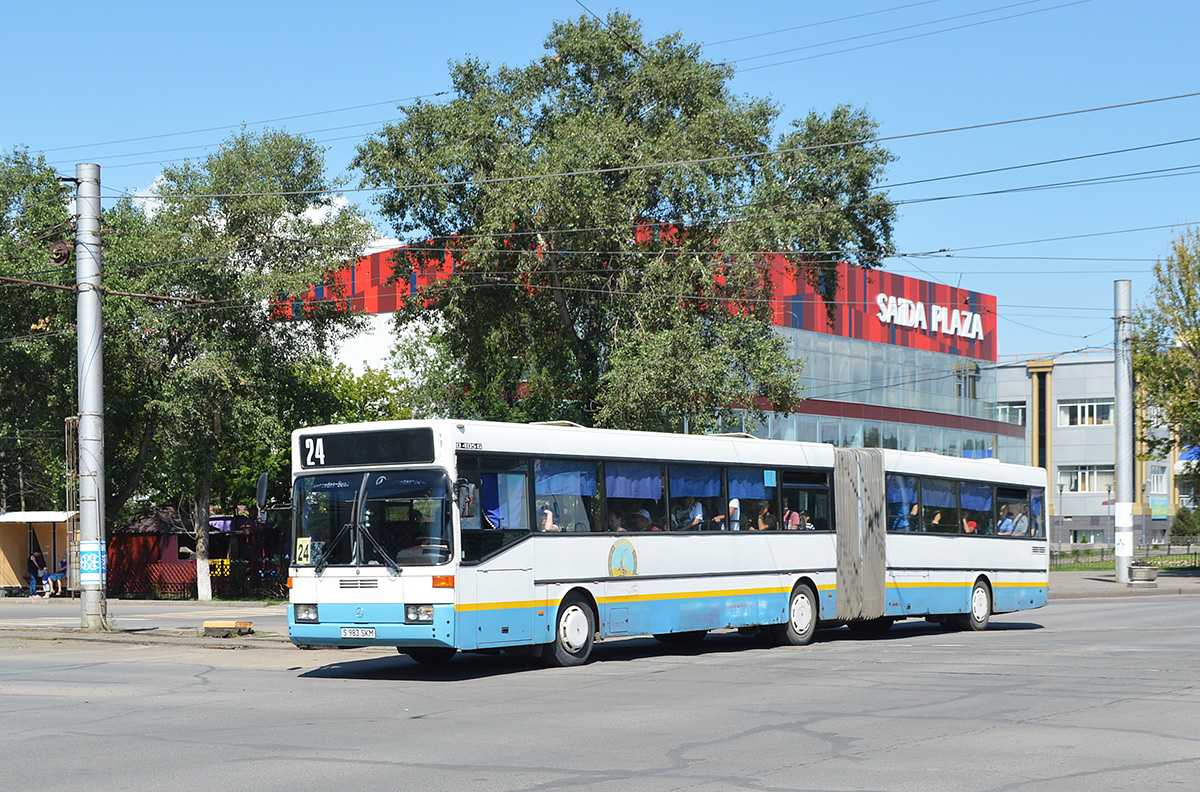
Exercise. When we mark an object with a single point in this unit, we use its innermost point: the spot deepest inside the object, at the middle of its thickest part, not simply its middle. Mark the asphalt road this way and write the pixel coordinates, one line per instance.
(1086, 694)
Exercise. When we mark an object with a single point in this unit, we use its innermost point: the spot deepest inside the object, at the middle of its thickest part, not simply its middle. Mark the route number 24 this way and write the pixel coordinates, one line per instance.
(314, 451)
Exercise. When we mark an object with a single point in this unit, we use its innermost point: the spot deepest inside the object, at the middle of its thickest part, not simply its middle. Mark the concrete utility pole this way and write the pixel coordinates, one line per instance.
(92, 552)
(1123, 381)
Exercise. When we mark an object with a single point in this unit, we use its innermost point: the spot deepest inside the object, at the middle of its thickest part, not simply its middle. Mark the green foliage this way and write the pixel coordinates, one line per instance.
(37, 333)
(625, 293)
(1186, 524)
(244, 230)
(1166, 350)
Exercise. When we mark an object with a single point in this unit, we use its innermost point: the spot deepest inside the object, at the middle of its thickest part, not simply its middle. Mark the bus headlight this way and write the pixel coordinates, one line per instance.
(418, 614)
(305, 613)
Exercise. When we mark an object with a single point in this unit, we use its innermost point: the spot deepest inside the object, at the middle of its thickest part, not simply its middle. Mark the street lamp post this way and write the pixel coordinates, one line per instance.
(1143, 514)
(1060, 515)
(1109, 526)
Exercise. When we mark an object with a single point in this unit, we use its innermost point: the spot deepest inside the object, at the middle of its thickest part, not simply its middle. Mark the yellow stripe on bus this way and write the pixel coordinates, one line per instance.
(482, 606)
(673, 595)
(944, 584)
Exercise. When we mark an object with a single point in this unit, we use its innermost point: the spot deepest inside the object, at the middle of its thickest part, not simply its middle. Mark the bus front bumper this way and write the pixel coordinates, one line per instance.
(371, 625)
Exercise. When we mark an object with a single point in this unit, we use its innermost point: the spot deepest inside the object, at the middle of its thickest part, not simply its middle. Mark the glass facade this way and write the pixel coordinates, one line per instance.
(850, 370)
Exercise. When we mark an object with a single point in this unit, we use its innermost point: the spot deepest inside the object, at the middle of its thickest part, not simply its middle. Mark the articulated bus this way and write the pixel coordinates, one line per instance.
(444, 536)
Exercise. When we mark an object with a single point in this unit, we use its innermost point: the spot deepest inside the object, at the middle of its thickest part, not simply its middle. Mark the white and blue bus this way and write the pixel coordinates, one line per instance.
(441, 536)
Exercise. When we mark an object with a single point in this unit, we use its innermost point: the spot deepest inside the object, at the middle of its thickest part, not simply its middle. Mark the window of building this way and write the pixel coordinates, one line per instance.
(1011, 412)
(1158, 479)
(1086, 478)
(966, 380)
(1085, 413)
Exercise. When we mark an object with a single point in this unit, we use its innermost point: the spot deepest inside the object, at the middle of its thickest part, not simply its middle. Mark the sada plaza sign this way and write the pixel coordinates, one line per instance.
(943, 319)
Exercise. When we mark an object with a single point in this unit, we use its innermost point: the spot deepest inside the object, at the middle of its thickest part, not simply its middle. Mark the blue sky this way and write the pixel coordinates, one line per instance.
(173, 80)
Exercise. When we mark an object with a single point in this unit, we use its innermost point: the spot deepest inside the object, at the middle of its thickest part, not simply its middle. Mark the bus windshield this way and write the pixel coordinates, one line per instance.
(386, 518)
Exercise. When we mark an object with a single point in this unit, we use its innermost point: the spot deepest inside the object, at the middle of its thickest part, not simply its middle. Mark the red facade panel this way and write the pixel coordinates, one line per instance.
(871, 305)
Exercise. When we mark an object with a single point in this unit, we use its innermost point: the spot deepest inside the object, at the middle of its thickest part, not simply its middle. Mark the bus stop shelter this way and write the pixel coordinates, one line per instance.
(56, 533)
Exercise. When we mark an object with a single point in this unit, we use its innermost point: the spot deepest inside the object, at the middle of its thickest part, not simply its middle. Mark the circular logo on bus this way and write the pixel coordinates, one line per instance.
(622, 559)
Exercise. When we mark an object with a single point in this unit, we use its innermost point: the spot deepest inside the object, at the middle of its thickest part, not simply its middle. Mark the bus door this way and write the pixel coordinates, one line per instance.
(861, 533)
(496, 546)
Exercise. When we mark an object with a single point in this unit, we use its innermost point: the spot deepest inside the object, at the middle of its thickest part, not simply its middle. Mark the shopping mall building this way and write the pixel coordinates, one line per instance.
(898, 363)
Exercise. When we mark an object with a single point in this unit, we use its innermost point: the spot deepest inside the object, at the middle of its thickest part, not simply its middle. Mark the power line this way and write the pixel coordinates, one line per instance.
(914, 36)
(707, 160)
(905, 27)
(440, 93)
(251, 123)
(818, 24)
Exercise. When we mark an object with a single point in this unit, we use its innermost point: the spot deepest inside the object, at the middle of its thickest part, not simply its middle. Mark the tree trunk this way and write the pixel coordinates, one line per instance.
(203, 580)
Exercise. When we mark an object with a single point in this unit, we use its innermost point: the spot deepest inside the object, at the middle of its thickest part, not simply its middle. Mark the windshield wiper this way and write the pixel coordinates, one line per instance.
(323, 561)
(387, 559)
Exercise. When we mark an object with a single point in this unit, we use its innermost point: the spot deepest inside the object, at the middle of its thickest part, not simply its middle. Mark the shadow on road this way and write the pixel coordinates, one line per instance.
(470, 665)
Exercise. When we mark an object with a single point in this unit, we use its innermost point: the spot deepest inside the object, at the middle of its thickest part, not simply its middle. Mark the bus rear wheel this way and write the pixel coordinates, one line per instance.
(574, 632)
(801, 624)
(976, 619)
(430, 655)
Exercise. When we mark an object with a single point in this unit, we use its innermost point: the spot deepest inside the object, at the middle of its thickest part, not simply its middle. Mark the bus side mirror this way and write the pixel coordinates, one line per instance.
(261, 494)
(466, 495)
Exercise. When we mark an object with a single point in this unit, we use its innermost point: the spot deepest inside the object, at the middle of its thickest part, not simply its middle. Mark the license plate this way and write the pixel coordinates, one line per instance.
(358, 632)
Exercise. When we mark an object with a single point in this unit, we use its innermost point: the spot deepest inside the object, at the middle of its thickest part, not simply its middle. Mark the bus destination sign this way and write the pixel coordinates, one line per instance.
(349, 449)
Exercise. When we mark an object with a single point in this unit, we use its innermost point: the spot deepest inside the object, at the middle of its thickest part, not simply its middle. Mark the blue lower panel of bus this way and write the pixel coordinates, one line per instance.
(654, 616)
(343, 625)
(918, 600)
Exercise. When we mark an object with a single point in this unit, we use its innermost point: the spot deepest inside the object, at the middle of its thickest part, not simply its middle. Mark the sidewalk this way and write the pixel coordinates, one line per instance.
(181, 622)
(1081, 585)
(144, 621)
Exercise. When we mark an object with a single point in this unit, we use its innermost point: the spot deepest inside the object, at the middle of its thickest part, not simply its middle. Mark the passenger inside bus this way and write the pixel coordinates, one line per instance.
(641, 521)
(616, 519)
(1020, 521)
(728, 521)
(688, 514)
(1005, 528)
(548, 521)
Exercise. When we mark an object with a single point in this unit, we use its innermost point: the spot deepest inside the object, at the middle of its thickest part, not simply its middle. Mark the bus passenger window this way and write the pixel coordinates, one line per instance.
(939, 506)
(1012, 515)
(903, 503)
(750, 495)
(635, 490)
(567, 489)
(805, 501)
(693, 489)
(1037, 519)
(504, 508)
(977, 509)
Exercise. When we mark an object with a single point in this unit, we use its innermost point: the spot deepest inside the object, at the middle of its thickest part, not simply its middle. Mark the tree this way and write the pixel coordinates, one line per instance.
(246, 230)
(612, 210)
(1166, 350)
(1186, 526)
(37, 333)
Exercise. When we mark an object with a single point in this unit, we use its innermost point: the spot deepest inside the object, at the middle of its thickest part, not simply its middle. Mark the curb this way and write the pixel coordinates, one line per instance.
(152, 637)
(1123, 591)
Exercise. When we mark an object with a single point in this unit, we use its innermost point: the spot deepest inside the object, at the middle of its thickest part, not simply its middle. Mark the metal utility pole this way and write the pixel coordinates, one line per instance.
(92, 552)
(1123, 381)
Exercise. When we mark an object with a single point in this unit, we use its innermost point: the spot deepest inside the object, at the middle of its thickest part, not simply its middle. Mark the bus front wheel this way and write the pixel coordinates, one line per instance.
(574, 631)
(801, 624)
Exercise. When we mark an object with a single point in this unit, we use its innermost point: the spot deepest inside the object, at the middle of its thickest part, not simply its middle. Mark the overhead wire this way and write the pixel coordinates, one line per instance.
(448, 91)
(706, 160)
(819, 24)
(912, 37)
(861, 36)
